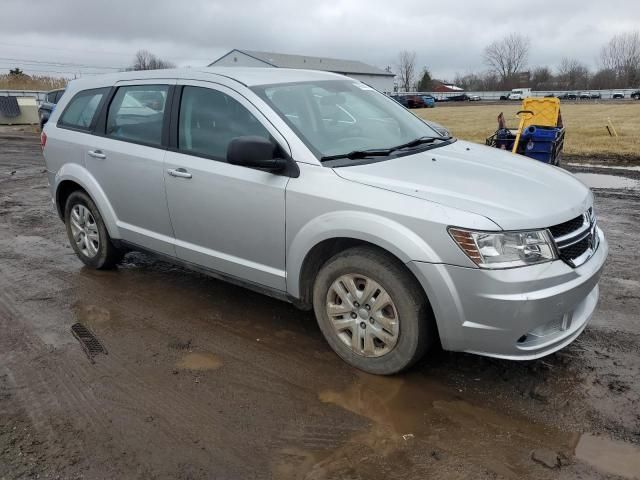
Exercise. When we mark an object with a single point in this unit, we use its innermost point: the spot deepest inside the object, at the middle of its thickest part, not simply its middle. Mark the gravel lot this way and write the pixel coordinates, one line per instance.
(206, 380)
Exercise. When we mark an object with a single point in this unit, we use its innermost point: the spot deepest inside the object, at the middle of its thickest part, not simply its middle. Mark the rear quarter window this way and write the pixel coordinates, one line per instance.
(82, 109)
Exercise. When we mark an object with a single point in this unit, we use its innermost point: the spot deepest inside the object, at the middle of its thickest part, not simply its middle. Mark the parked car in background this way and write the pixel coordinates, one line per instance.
(48, 104)
(595, 96)
(319, 190)
(410, 101)
(636, 95)
(519, 94)
(474, 98)
(568, 96)
(617, 95)
(585, 96)
(459, 98)
(429, 101)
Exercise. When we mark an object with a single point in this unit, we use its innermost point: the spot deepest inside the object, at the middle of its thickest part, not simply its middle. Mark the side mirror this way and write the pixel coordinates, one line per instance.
(254, 152)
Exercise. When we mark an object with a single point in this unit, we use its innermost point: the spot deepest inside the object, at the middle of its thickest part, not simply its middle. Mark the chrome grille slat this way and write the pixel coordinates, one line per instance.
(577, 239)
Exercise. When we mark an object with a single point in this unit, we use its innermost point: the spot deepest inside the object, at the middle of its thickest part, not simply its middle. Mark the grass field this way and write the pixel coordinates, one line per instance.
(26, 82)
(586, 135)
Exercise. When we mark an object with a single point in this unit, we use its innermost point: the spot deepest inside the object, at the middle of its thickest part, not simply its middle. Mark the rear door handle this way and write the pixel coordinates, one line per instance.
(179, 172)
(97, 154)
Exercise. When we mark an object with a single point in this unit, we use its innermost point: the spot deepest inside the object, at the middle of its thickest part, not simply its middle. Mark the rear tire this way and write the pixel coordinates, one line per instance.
(88, 234)
(390, 335)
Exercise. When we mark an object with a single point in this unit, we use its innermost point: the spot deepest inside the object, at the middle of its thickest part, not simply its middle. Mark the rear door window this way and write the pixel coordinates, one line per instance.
(136, 114)
(81, 110)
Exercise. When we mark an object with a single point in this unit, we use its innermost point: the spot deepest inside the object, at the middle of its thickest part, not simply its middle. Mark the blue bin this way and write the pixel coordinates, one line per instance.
(541, 133)
(540, 143)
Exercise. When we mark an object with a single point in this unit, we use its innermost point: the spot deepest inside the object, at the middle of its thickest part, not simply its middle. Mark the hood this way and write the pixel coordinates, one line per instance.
(513, 191)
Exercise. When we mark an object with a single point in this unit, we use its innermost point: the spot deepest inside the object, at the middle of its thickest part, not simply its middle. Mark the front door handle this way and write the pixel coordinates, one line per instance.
(97, 154)
(179, 172)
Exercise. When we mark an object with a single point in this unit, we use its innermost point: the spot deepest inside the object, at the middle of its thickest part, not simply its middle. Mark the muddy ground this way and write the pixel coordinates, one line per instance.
(206, 380)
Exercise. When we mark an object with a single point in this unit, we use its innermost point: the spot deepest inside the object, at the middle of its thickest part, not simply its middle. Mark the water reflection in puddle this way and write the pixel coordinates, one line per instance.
(599, 180)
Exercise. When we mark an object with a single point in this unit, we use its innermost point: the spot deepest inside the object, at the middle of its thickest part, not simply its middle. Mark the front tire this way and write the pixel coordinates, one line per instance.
(372, 311)
(88, 234)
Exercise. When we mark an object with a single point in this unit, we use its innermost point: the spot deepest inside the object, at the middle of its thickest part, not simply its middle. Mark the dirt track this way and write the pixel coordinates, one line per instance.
(207, 380)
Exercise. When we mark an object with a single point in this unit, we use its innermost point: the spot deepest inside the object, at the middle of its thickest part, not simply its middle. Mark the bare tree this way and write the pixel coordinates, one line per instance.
(622, 55)
(145, 60)
(507, 56)
(573, 74)
(602, 79)
(541, 78)
(406, 70)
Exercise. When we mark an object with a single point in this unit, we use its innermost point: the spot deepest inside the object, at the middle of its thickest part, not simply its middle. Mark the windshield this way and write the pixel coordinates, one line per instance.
(336, 117)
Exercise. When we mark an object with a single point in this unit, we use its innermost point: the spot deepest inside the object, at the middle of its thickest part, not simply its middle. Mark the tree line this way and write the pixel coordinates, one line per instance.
(506, 62)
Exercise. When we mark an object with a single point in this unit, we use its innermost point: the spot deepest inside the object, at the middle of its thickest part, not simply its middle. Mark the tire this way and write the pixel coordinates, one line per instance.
(100, 254)
(414, 331)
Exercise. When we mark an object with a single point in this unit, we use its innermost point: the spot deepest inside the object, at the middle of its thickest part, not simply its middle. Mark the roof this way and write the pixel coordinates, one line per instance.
(447, 87)
(285, 60)
(249, 76)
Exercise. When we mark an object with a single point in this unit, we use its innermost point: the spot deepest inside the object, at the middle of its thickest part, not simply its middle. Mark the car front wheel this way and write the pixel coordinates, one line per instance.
(372, 311)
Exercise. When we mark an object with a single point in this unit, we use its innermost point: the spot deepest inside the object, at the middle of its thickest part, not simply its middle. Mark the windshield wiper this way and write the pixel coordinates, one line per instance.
(383, 152)
(376, 152)
(416, 142)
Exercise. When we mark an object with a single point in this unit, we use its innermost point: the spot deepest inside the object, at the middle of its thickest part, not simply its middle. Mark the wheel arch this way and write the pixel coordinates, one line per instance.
(314, 245)
(72, 177)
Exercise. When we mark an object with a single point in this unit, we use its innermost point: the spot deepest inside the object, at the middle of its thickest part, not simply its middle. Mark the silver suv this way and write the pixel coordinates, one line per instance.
(316, 189)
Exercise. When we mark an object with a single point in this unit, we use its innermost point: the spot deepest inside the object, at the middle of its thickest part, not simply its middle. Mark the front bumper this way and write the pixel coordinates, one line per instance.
(520, 313)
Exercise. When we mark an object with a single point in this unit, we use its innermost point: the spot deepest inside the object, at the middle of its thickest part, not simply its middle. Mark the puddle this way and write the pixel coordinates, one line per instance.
(599, 180)
(416, 417)
(609, 456)
(635, 168)
(200, 361)
(93, 314)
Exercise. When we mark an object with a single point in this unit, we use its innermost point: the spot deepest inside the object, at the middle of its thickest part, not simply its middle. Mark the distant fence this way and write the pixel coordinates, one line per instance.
(495, 95)
(37, 94)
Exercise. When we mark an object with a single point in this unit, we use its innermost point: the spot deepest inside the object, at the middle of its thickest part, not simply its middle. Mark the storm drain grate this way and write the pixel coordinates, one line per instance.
(90, 344)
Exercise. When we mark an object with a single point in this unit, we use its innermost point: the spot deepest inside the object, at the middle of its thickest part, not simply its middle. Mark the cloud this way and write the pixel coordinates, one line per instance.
(447, 37)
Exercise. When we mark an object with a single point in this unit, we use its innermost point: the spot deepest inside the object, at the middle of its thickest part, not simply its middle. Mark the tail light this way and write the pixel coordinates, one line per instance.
(43, 140)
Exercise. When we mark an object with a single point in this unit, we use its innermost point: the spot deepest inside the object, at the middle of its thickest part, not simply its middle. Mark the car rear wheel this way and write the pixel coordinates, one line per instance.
(372, 312)
(88, 234)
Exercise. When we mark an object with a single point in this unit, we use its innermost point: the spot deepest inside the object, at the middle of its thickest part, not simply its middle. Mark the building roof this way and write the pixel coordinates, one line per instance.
(447, 87)
(336, 65)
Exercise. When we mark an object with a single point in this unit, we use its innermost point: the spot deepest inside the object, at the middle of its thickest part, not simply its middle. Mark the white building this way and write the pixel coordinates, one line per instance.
(375, 77)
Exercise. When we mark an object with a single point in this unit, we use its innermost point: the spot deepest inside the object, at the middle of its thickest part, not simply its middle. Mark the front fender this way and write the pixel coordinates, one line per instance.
(383, 232)
(80, 175)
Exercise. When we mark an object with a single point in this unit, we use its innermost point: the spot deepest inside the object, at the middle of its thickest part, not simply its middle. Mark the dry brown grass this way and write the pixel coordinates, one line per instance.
(586, 133)
(27, 82)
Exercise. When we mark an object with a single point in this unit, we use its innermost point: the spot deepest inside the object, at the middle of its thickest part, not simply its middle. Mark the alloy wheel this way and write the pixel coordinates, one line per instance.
(84, 230)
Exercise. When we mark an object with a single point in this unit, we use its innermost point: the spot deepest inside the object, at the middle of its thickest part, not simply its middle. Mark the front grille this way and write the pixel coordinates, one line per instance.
(570, 253)
(567, 227)
(576, 239)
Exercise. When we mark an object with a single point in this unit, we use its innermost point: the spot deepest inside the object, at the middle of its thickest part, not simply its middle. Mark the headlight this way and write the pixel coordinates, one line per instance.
(505, 249)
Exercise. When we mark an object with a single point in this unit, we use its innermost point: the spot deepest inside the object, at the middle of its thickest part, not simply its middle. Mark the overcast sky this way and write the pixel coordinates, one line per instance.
(448, 37)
